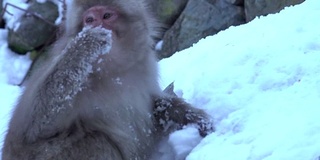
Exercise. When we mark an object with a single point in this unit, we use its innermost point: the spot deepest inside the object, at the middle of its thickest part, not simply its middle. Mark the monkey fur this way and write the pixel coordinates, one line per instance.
(98, 97)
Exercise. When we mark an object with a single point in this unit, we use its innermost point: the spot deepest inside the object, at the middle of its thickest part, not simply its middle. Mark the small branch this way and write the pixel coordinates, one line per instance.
(26, 11)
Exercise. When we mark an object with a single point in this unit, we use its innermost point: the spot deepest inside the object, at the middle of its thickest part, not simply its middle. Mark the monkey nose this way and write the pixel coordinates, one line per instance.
(96, 23)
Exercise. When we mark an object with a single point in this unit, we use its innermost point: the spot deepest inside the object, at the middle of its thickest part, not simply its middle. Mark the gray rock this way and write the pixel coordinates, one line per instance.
(255, 8)
(1, 19)
(236, 2)
(169, 10)
(199, 19)
(34, 32)
(1, 1)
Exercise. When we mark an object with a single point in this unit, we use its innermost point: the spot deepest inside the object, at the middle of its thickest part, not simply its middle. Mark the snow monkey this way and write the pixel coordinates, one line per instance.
(99, 97)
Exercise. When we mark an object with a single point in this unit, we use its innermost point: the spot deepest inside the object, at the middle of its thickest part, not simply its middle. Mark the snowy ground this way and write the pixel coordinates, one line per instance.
(259, 81)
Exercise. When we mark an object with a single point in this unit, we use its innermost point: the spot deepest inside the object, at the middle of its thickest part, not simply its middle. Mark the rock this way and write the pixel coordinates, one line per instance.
(255, 8)
(169, 10)
(32, 31)
(199, 19)
(1, 19)
(236, 2)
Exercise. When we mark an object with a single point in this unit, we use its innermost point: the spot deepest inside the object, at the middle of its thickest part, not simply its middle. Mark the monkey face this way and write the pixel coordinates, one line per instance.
(103, 16)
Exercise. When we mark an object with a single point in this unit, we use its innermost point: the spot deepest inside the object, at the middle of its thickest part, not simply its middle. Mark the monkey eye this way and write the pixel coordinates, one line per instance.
(89, 20)
(107, 15)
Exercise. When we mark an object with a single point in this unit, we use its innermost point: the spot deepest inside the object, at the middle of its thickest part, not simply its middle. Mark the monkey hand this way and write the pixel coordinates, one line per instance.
(98, 35)
(171, 112)
(203, 121)
(205, 126)
(83, 52)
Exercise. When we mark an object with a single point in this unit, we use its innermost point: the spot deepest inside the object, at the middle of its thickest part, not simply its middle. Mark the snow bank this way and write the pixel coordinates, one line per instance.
(260, 82)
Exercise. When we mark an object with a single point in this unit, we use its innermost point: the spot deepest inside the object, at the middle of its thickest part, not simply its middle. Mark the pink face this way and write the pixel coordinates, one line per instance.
(100, 16)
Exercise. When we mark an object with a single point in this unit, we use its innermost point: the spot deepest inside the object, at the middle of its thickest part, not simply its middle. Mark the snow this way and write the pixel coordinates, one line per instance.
(259, 82)
(14, 12)
(13, 67)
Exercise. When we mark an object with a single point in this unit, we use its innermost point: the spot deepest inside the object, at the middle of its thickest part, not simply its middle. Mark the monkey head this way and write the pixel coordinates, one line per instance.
(131, 24)
(121, 16)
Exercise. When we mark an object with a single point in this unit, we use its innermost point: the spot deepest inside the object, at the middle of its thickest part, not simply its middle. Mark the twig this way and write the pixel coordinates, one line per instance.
(26, 11)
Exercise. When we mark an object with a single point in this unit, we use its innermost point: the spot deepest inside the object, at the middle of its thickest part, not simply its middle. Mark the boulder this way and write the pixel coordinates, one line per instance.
(236, 2)
(199, 19)
(169, 10)
(34, 32)
(254, 8)
(1, 19)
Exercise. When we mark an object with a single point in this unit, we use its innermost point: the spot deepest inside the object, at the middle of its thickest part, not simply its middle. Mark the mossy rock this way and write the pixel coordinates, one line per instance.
(33, 32)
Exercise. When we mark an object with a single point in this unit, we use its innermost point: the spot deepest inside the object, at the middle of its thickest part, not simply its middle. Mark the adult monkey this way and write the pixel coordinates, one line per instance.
(99, 97)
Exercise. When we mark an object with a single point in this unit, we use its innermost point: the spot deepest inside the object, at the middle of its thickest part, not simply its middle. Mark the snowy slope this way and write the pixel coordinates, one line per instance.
(261, 84)
(259, 81)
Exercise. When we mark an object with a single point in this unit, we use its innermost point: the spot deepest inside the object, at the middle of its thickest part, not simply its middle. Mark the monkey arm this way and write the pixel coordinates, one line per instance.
(175, 112)
(69, 76)
(171, 111)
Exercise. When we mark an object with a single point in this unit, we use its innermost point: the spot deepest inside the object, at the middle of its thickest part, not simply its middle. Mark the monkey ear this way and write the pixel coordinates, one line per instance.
(169, 90)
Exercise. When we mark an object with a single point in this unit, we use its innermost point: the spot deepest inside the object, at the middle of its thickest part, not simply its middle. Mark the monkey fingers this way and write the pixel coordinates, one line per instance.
(99, 35)
(204, 123)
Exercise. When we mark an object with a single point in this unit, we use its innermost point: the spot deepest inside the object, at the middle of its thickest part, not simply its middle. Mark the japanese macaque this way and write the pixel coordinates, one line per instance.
(99, 96)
